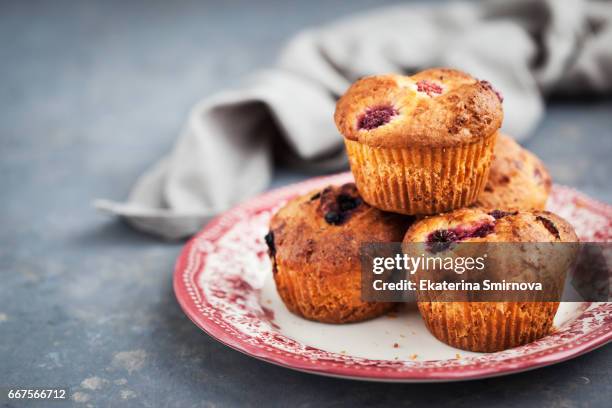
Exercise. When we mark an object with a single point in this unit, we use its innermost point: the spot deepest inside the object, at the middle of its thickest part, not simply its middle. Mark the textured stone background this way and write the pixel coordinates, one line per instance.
(91, 93)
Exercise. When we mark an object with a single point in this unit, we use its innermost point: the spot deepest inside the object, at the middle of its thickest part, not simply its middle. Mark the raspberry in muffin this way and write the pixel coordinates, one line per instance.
(517, 180)
(421, 144)
(494, 326)
(314, 243)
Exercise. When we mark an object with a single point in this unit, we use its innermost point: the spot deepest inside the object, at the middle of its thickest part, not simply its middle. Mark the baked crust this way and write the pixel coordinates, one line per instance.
(517, 179)
(437, 107)
(517, 226)
(316, 261)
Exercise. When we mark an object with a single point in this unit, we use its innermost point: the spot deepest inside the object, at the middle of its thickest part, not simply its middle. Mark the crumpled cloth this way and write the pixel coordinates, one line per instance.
(526, 49)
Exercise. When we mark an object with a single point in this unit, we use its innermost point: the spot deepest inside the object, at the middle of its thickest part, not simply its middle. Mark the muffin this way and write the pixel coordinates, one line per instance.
(420, 144)
(489, 326)
(314, 243)
(517, 180)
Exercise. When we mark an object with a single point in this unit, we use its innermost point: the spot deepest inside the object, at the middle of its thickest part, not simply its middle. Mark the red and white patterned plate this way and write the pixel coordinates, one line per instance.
(223, 282)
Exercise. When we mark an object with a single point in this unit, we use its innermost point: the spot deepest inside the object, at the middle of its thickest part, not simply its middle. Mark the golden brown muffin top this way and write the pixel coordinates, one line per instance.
(480, 225)
(517, 180)
(326, 228)
(436, 107)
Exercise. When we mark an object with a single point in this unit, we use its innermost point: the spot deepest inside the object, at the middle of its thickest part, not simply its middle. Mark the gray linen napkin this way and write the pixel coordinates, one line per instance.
(526, 48)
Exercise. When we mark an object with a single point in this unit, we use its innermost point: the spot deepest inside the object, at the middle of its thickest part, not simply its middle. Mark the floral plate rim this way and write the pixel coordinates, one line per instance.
(196, 306)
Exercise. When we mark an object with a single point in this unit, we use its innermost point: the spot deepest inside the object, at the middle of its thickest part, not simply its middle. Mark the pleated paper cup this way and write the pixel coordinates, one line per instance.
(325, 299)
(488, 326)
(421, 179)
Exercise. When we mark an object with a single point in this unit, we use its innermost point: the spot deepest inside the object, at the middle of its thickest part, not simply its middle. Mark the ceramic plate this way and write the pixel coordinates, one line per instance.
(223, 281)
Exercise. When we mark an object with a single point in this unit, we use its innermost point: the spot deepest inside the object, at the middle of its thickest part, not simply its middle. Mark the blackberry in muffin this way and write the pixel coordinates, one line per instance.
(314, 243)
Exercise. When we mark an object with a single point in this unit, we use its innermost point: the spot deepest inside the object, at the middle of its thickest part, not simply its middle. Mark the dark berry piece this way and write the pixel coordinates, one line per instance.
(498, 93)
(326, 191)
(349, 189)
(314, 197)
(504, 179)
(333, 218)
(442, 236)
(347, 205)
(549, 225)
(499, 214)
(347, 202)
(430, 88)
(270, 242)
(375, 117)
(481, 231)
(338, 203)
(441, 240)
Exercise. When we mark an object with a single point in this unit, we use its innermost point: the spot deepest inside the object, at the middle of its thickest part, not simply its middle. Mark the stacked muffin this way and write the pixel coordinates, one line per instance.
(423, 147)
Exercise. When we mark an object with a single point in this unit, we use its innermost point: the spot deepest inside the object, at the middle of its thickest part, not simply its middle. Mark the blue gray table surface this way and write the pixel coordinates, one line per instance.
(90, 94)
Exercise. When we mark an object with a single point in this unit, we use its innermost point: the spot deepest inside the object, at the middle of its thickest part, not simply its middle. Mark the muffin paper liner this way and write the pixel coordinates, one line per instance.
(488, 327)
(421, 180)
(331, 300)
